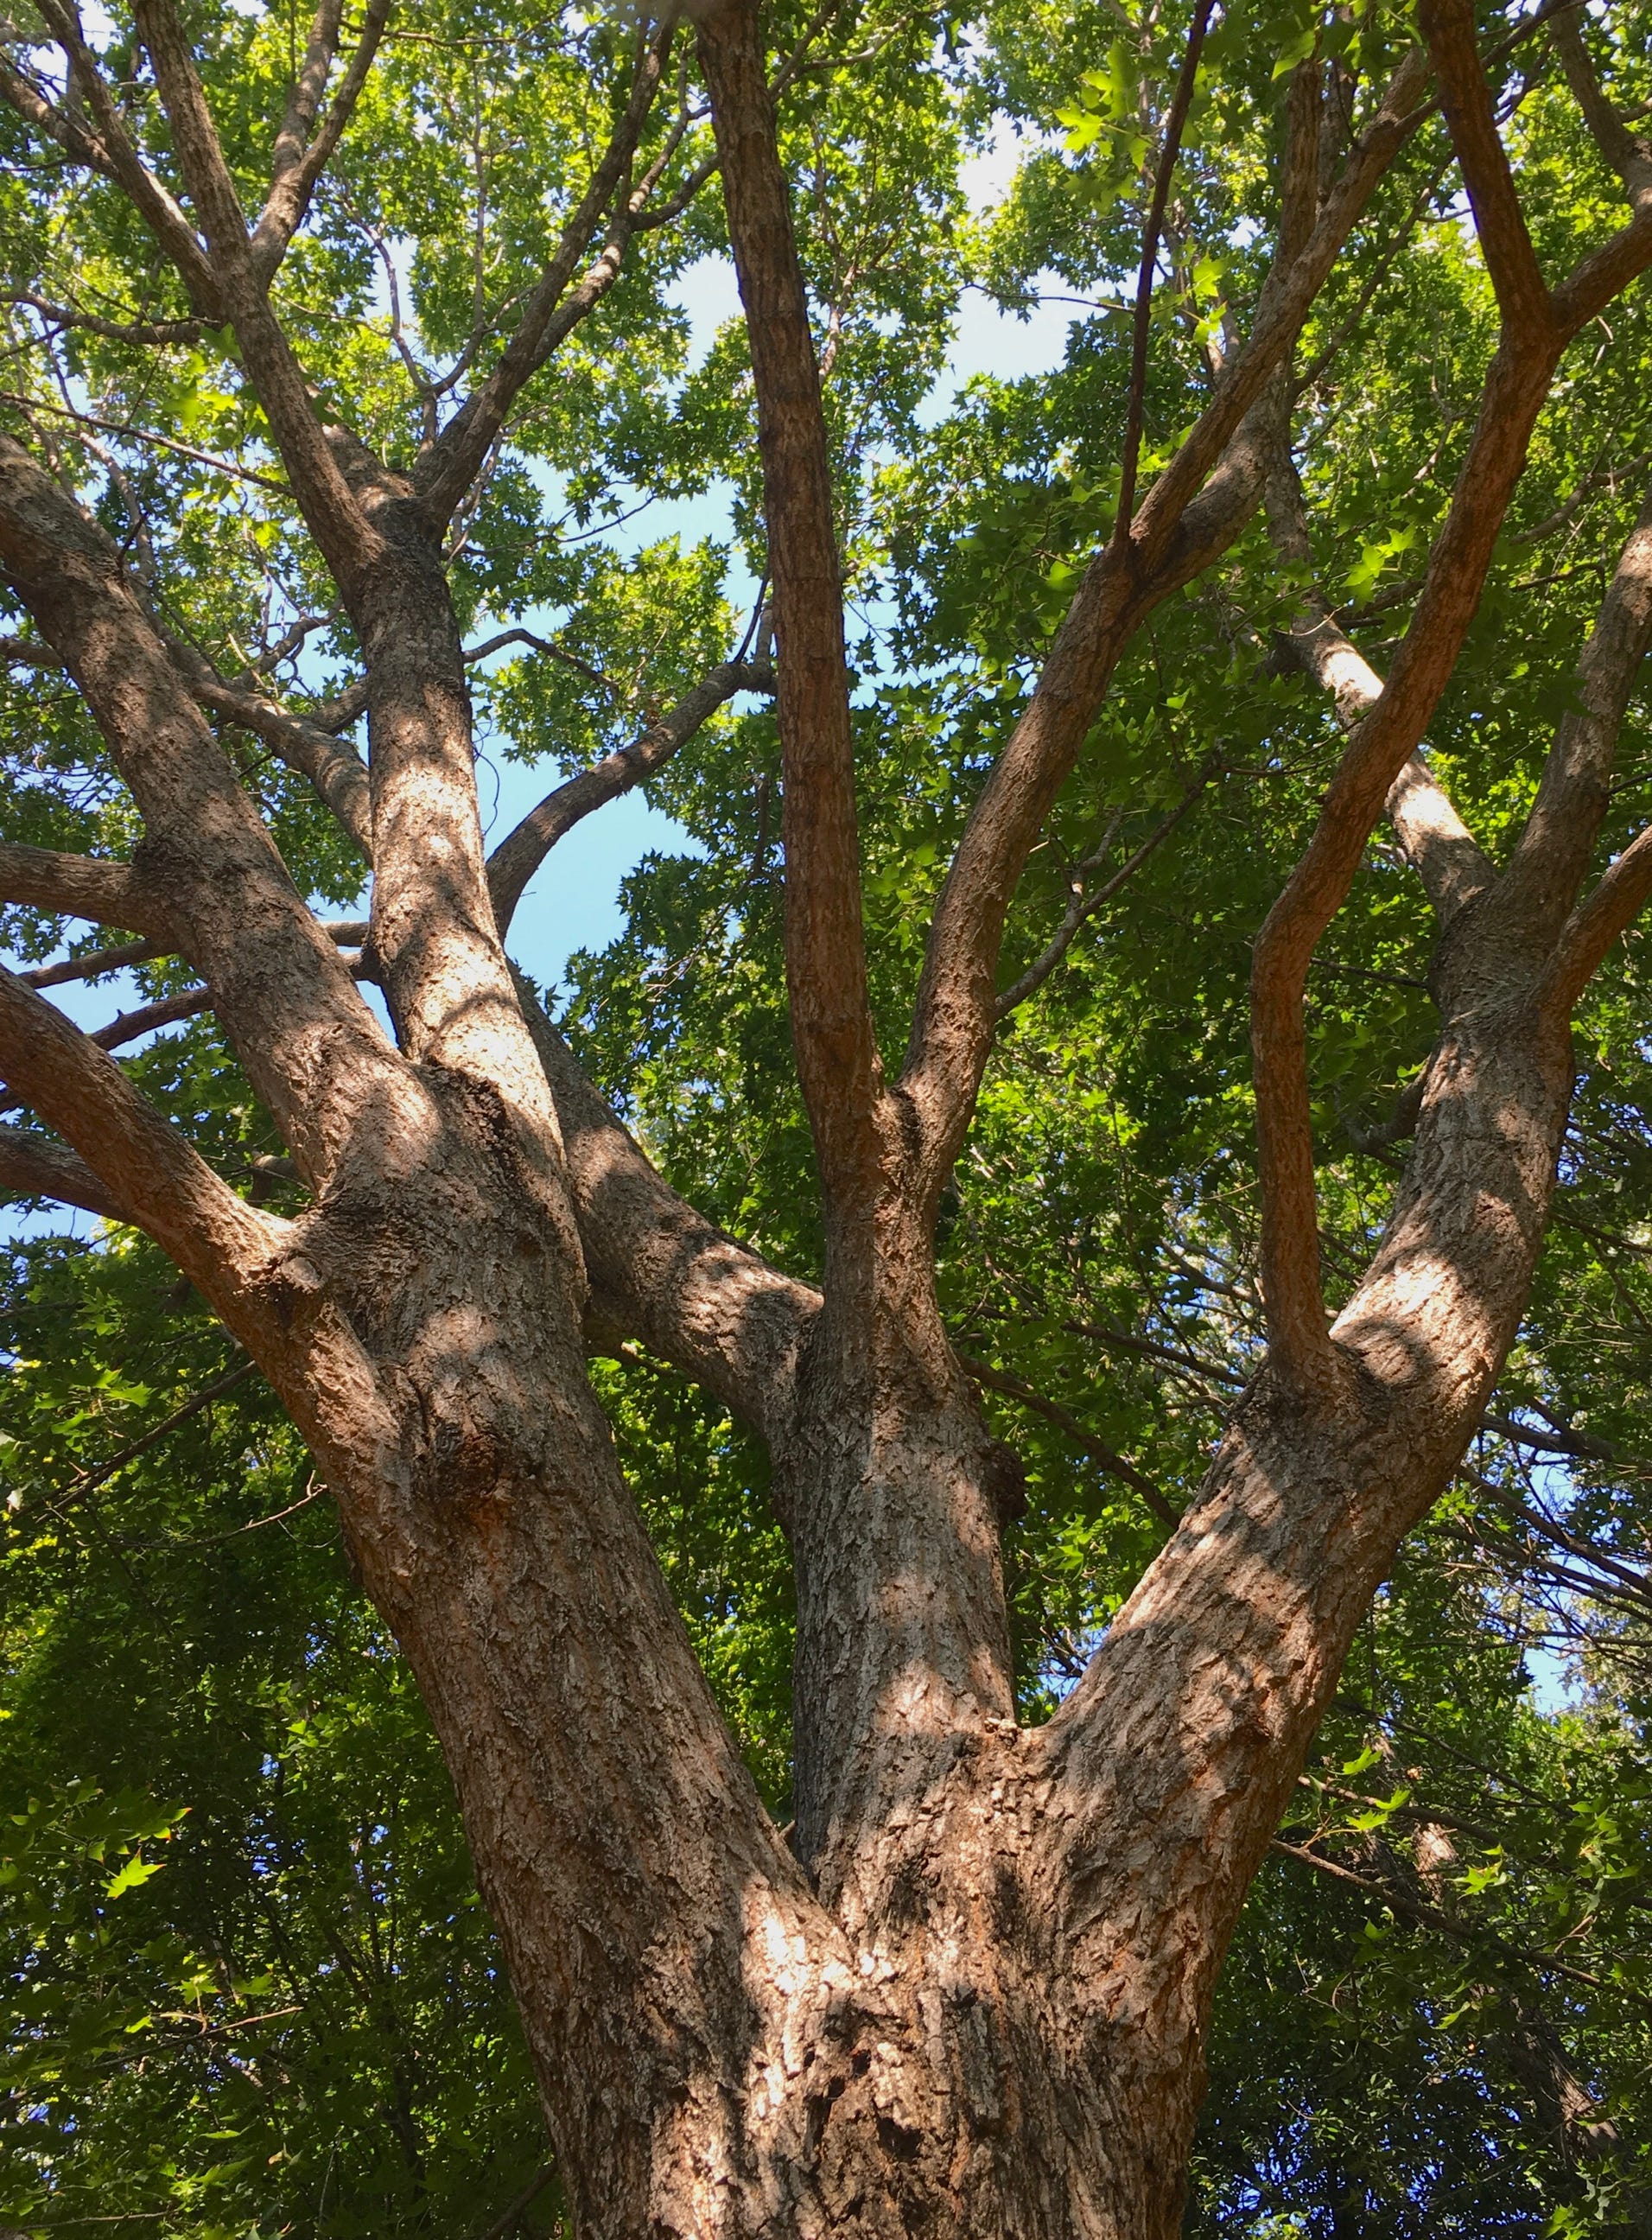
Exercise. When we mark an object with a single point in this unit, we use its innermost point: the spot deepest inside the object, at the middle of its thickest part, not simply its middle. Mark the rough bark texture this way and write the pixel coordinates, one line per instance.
(970, 1995)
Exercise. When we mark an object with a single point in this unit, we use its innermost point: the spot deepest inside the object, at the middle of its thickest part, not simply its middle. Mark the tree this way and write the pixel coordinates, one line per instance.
(969, 1988)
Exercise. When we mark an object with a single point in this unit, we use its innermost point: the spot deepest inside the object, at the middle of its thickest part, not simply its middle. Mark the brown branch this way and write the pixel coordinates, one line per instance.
(161, 332)
(519, 855)
(33, 1165)
(349, 933)
(296, 167)
(1379, 747)
(839, 1069)
(1180, 103)
(1589, 934)
(108, 151)
(332, 509)
(147, 1168)
(31, 405)
(446, 472)
(1626, 153)
(1181, 526)
(1465, 97)
(1435, 842)
(1430, 1917)
(87, 1481)
(659, 1272)
(276, 980)
(84, 886)
(336, 772)
(1552, 853)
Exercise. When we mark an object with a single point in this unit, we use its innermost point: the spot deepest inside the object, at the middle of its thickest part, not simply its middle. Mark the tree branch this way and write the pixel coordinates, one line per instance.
(33, 1165)
(839, 1068)
(84, 886)
(1181, 525)
(1180, 101)
(149, 1173)
(309, 1043)
(331, 508)
(297, 166)
(1379, 747)
(336, 772)
(1523, 297)
(660, 1272)
(1104, 1457)
(110, 152)
(1552, 853)
(1626, 152)
(446, 472)
(1435, 842)
(1084, 904)
(519, 855)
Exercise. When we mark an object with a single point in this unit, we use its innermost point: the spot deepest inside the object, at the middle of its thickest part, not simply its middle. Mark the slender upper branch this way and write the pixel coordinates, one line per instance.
(1180, 101)
(1523, 297)
(1438, 845)
(332, 509)
(1552, 853)
(108, 150)
(519, 855)
(446, 472)
(298, 160)
(1629, 156)
(837, 1058)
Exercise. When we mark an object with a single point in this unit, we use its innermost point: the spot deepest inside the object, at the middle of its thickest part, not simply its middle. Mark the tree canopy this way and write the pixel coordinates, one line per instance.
(249, 1985)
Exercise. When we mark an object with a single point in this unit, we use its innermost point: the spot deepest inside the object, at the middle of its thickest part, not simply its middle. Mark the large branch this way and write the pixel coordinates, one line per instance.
(1629, 156)
(144, 1169)
(83, 886)
(1197, 506)
(33, 1165)
(660, 1272)
(1523, 297)
(519, 855)
(1515, 388)
(289, 1003)
(838, 1065)
(446, 472)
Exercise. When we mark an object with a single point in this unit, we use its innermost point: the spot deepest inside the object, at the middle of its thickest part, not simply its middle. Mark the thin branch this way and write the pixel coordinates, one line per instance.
(296, 168)
(1180, 101)
(87, 1481)
(108, 150)
(31, 405)
(1104, 1457)
(1430, 1917)
(513, 862)
(443, 473)
(1180, 528)
(1084, 904)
